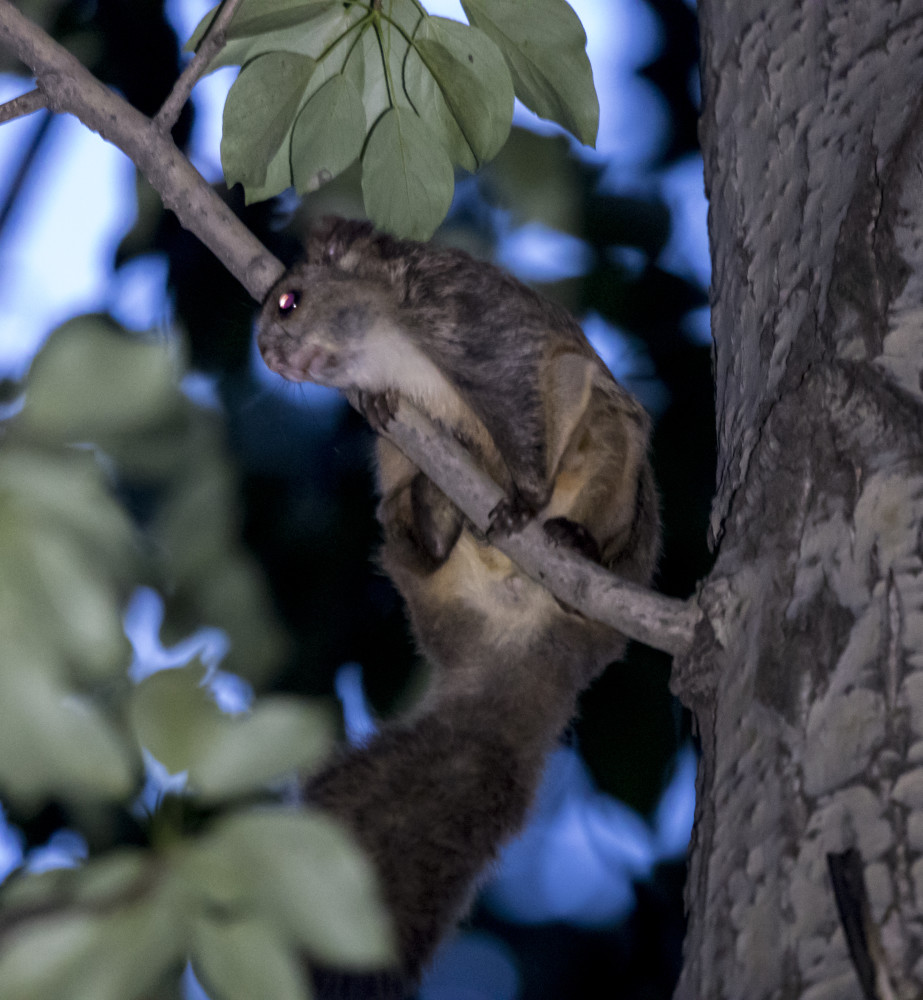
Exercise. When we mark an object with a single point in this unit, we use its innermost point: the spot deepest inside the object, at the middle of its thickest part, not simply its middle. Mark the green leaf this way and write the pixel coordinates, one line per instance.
(407, 179)
(91, 381)
(258, 115)
(172, 713)
(281, 734)
(177, 720)
(67, 553)
(256, 17)
(230, 593)
(244, 959)
(54, 742)
(210, 875)
(83, 955)
(40, 959)
(473, 81)
(68, 489)
(80, 603)
(374, 66)
(328, 134)
(330, 22)
(304, 873)
(113, 874)
(544, 45)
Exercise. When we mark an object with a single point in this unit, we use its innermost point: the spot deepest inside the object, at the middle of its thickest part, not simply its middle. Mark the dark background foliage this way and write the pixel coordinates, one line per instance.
(307, 495)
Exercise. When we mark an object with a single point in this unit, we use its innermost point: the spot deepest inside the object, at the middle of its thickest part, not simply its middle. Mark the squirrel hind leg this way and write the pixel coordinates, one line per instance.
(564, 531)
(437, 522)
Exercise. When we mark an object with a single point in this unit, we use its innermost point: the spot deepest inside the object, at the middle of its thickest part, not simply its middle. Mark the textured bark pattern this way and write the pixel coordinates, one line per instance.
(813, 724)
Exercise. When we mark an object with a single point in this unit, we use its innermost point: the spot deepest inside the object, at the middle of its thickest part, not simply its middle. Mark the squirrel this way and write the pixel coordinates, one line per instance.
(434, 795)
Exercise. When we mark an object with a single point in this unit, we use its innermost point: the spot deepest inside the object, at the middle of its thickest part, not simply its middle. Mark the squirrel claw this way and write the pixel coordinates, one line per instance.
(378, 408)
(510, 515)
(564, 531)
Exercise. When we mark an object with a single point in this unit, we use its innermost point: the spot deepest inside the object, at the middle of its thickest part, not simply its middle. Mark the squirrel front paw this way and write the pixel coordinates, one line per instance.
(510, 515)
(378, 408)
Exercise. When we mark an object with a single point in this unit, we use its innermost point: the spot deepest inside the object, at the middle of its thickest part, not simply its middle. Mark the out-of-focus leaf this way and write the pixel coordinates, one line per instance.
(304, 872)
(55, 742)
(544, 45)
(171, 713)
(195, 519)
(28, 889)
(90, 382)
(41, 958)
(244, 959)
(110, 876)
(407, 179)
(211, 877)
(112, 954)
(177, 720)
(258, 114)
(66, 553)
(229, 593)
(537, 179)
(67, 488)
(279, 735)
(209, 577)
(79, 602)
(328, 134)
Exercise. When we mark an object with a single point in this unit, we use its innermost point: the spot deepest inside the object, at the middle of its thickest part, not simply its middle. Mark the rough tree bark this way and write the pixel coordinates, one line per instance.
(807, 676)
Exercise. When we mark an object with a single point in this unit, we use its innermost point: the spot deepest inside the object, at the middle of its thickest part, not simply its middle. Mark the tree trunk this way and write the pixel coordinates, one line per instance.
(808, 685)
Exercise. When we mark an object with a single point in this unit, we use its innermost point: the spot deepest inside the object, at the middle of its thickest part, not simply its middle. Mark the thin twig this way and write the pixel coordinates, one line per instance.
(208, 48)
(24, 104)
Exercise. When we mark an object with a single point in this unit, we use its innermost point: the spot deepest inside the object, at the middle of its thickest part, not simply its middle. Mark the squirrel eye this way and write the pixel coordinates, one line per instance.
(289, 301)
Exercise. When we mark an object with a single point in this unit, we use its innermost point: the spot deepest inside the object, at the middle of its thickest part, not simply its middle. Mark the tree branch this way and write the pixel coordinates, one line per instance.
(641, 614)
(24, 104)
(208, 48)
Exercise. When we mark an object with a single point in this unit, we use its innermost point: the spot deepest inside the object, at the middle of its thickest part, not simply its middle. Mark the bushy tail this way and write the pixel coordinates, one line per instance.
(431, 801)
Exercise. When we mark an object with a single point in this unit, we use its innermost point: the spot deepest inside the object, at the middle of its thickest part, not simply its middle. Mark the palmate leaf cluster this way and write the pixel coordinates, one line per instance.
(324, 83)
(111, 478)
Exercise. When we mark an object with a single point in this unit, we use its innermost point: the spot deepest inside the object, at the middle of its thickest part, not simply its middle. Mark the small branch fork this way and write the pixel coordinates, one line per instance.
(66, 85)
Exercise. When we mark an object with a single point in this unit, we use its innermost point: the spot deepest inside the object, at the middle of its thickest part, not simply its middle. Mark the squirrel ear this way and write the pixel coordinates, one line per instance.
(569, 381)
(330, 238)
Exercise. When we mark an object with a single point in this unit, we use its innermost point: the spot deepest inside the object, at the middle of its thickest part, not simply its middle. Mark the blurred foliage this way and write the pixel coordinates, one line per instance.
(194, 500)
(109, 478)
(237, 900)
